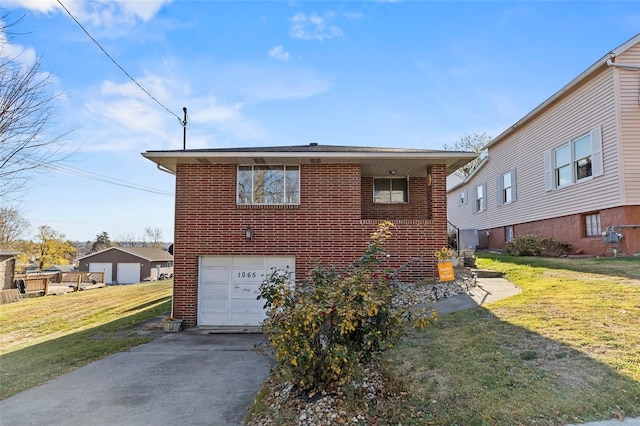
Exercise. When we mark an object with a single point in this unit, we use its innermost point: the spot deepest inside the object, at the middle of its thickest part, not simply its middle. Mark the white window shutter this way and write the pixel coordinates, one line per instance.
(597, 167)
(513, 185)
(499, 189)
(548, 171)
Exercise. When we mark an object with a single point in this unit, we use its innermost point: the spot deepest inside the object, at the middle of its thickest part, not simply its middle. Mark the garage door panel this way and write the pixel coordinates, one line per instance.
(128, 273)
(233, 283)
(215, 290)
(106, 268)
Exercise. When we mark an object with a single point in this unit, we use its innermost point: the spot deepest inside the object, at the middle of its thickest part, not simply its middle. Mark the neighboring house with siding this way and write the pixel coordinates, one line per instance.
(569, 169)
(127, 265)
(241, 211)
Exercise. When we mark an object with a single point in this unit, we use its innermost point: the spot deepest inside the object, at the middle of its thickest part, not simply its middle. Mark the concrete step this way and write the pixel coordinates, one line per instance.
(486, 273)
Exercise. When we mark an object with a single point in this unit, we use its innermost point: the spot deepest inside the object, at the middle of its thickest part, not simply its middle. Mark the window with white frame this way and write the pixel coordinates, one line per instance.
(592, 225)
(462, 197)
(506, 187)
(480, 198)
(575, 161)
(390, 190)
(261, 185)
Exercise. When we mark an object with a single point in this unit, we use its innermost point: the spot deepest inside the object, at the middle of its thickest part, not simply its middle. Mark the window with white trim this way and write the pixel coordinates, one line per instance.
(264, 185)
(506, 187)
(462, 197)
(575, 161)
(592, 225)
(390, 190)
(480, 198)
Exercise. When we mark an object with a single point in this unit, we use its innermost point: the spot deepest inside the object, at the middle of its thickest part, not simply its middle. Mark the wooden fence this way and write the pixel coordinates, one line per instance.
(40, 283)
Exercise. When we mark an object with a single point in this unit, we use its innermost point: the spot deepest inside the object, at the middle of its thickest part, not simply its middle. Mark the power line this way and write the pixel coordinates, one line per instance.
(119, 66)
(107, 179)
(96, 176)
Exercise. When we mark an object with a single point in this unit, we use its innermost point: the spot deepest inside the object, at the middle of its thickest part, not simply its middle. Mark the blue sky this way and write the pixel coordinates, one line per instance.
(411, 74)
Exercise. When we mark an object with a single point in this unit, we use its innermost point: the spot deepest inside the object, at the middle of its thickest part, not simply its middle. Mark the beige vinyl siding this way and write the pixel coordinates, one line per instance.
(629, 86)
(586, 107)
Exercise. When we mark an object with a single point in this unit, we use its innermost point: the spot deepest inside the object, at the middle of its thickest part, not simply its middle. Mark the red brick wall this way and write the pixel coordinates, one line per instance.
(331, 224)
(571, 229)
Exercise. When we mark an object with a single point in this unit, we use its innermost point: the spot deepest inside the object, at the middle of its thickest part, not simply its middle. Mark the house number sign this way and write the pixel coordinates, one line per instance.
(247, 274)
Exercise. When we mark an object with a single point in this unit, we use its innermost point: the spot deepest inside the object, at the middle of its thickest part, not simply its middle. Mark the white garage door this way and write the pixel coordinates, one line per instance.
(128, 273)
(102, 267)
(229, 285)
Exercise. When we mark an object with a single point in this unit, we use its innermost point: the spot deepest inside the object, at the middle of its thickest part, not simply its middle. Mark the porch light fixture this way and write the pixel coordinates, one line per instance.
(248, 233)
(392, 172)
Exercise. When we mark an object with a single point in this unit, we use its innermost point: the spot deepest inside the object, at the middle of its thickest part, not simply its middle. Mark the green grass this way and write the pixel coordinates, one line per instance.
(42, 338)
(567, 349)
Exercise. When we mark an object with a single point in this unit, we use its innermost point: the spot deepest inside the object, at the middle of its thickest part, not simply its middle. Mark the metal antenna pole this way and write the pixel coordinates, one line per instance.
(184, 128)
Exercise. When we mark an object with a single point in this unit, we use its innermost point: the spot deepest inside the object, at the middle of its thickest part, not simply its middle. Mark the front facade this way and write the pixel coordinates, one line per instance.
(127, 265)
(570, 169)
(240, 212)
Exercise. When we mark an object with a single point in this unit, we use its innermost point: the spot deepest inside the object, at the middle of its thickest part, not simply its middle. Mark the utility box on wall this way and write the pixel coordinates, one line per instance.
(468, 240)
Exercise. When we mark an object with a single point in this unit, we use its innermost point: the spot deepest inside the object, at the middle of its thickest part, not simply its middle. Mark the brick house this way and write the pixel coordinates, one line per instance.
(239, 212)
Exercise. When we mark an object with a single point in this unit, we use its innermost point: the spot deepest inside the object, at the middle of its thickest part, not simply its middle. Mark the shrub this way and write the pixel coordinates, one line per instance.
(530, 245)
(326, 330)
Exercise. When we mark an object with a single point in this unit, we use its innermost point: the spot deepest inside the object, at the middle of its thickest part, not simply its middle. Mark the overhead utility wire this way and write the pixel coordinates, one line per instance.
(98, 177)
(119, 66)
(107, 179)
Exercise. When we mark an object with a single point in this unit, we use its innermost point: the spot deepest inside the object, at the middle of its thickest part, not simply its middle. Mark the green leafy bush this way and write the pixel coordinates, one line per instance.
(530, 245)
(326, 330)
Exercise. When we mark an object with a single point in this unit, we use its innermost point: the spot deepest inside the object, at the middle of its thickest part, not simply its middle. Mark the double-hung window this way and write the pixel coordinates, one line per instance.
(575, 161)
(506, 187)
(264, 185)
(390, 190)
(480, 198)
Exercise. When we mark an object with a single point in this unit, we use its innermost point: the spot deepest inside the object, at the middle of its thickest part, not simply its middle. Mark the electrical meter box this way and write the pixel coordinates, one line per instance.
(611, 236)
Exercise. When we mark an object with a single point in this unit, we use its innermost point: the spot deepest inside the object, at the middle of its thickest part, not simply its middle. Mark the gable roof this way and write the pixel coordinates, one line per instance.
(374, 161)
(606, 60)
(147, 253)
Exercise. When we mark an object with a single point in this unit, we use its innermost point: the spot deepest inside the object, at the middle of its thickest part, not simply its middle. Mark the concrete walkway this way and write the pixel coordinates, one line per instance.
(487, 290)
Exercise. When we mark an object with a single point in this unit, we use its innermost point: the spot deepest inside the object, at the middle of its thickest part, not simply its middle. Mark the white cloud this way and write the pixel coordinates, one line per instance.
(103, 13)
(279, 53)
(313, 27)
(43, 6)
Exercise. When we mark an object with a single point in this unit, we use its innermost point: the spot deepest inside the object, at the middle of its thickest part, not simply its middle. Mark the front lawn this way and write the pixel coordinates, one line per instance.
(42, 338)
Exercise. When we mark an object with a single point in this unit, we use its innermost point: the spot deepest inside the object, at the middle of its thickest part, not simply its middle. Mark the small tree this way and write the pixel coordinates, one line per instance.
(154, 236)
(474, 142)
(49, 248)
(12, 226)
(324, 332)
(102, 242)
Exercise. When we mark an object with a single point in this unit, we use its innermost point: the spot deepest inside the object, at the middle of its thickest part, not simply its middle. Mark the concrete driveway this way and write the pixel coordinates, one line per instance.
(186, 378)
